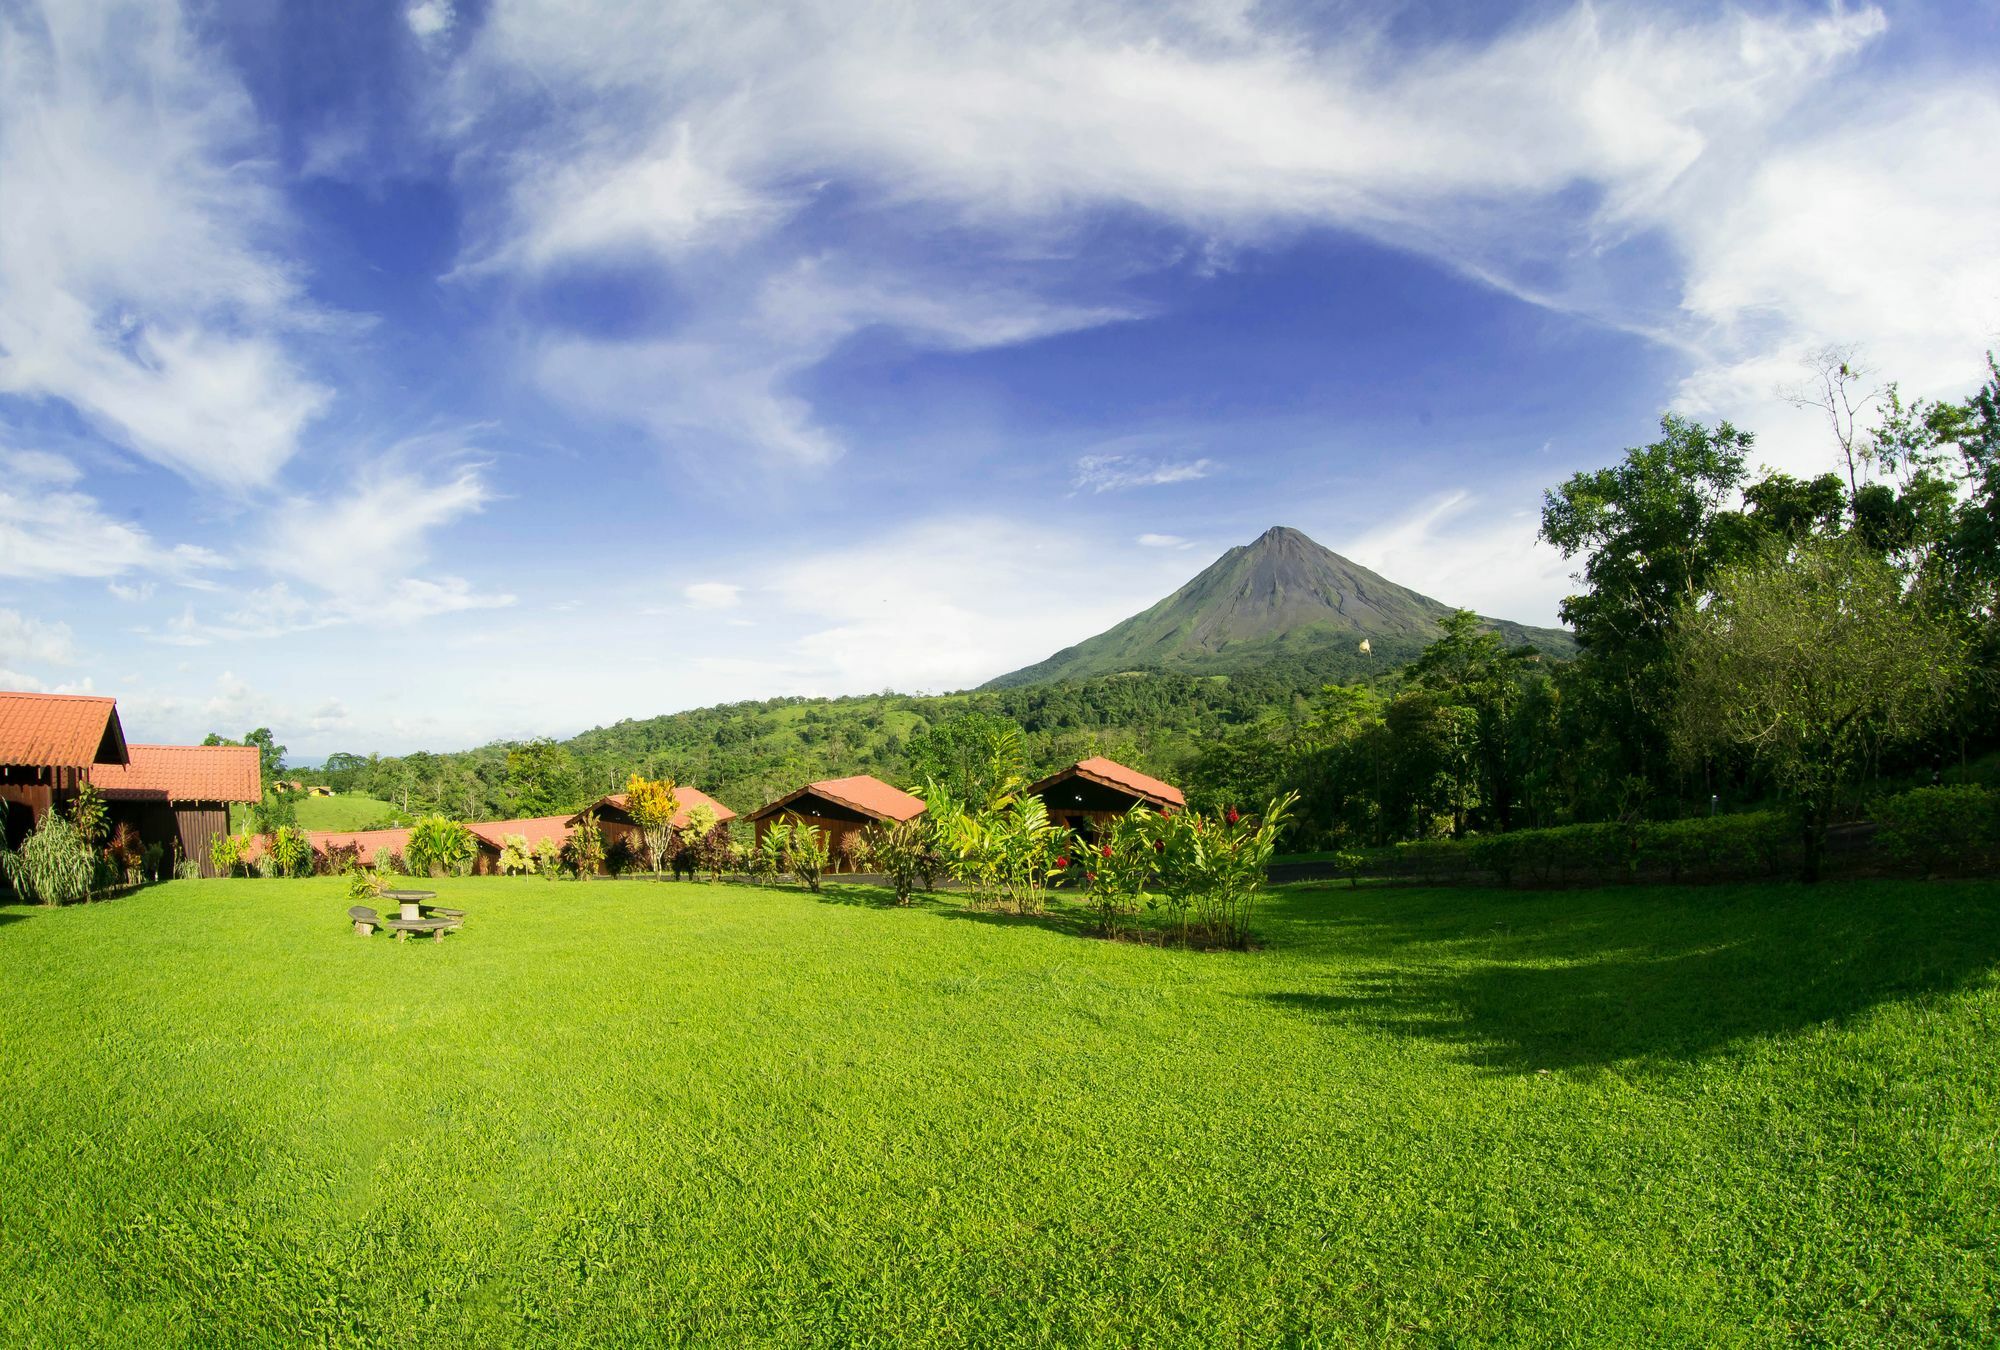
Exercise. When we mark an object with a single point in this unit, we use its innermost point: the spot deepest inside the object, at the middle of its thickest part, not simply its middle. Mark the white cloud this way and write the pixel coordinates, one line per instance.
(1164, 541)
(430, 20)
(713, 594)
(1457, 550)
(28, 641)
(1111, 473)
(141, 272)
(47, 531)
(1715, 143)
(951, 603)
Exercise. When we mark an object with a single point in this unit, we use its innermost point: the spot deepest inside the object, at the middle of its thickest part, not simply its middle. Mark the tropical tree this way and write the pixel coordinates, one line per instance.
(585, 849)
(516, 855)
(542, 778)
(651, 804)
(902, 850)
(90, 815)
(1814, 661)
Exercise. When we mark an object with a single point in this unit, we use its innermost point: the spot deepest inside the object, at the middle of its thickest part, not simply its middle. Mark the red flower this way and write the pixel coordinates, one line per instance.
(1159, 846)
(1090, 876)
(1062, 862)
(1107, 850)
(1232, 817)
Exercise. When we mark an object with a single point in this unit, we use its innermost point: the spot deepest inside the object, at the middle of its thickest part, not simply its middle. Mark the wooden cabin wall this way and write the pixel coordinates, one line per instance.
(197, 825)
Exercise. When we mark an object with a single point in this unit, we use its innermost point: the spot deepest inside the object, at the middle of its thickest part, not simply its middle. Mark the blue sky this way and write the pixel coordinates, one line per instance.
(410, 374)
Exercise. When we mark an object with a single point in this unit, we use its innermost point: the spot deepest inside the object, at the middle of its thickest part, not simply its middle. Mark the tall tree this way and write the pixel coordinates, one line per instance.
(1814, 661)
(542, 778)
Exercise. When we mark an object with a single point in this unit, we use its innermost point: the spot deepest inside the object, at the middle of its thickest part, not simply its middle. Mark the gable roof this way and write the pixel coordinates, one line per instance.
(1110, 773)
(863, 792)
(685, 798)
(182, 773)
(534, 829)
(60, 731)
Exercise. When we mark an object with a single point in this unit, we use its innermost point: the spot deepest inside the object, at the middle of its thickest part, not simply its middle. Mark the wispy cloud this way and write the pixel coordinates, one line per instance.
(49, 531)
(142, 279)
(1112, 473)
(713, 594)
(1164, 541)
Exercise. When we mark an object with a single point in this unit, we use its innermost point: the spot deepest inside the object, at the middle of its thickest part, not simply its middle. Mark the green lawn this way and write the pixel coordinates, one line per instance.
(352, 812)
(632, 1112)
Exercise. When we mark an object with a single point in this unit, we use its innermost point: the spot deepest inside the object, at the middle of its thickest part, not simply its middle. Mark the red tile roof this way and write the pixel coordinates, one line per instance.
(372, 843)
(493, 833)
(686, 799)
(864, 793)
(59, 731)
(1110, 773)
(183, 773)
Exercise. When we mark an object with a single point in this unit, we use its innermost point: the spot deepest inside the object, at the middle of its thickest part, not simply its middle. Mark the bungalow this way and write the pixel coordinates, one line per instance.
(843, 808)
(491, 836)
(49, 743)
(617, 823)
(178, 796)
(1093, 791)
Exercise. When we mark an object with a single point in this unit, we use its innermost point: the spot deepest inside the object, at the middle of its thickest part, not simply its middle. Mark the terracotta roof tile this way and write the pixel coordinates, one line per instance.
(863, 792)
(372, 843)
(535, 829)
(1111, 773)
(688, 798)
(183, 773)
(59, 731)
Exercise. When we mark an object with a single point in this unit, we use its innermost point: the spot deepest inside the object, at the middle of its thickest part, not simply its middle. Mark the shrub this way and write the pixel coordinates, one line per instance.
(340, 859)
(227, 852)
(187, 869)
(440, 847)
(585, 849)
(516, 855)
(1211, 869)
(1755, 843)
(89, 814)
(902, 849)
(1117, 867)
(126, 853)
(153, 862)
(620, 857)
(799, 848)
(290, 853)
(391, 862)
(1940, 829)
(1349, 862)
(548, 858)
(56, 864)
(364, 885)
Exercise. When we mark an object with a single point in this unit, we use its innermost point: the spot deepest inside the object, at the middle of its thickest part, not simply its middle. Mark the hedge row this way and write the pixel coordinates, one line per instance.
(1932, 831)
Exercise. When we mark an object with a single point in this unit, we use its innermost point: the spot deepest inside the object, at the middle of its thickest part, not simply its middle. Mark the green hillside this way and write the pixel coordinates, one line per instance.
(1282, 597)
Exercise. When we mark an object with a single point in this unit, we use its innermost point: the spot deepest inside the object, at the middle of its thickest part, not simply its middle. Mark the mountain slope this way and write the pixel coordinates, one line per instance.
(1281, 596)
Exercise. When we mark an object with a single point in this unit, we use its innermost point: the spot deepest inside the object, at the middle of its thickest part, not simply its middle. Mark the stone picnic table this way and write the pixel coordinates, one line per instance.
(414, 919)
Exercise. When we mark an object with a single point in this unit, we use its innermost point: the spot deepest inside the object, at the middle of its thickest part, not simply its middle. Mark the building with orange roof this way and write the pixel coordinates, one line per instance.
(842, 808)
(178, 796)
(617, 824)
(49, 743)
(1091, 792)
(492, 837)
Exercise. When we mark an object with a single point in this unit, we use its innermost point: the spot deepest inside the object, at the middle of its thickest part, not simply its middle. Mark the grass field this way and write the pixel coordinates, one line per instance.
(631, 1112)
(350, 812)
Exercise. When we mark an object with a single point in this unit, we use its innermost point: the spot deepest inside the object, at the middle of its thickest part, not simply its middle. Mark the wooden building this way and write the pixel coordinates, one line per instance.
(491, 835)
(842, 808)
(49, 743)
(1091, 792)
(616, 822)
(178, 796)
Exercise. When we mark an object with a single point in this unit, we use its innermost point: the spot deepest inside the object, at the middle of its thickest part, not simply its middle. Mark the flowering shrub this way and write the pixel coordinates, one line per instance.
(1210, 870)
(1118, 868)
